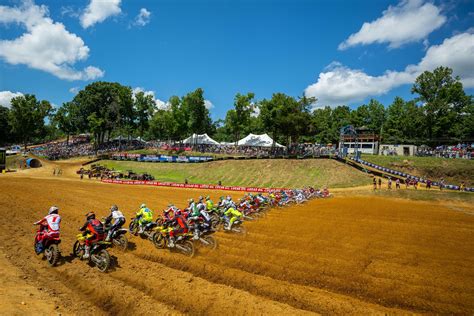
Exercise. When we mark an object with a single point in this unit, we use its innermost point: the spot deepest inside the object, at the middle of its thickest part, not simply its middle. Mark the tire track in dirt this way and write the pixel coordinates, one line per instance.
(338, 256)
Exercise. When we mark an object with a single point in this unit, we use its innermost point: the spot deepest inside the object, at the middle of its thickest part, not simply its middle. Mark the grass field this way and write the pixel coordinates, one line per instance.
(453, 170)
(261, 173)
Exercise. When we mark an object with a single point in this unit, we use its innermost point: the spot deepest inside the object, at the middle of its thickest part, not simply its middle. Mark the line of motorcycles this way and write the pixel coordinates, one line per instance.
(158, 233)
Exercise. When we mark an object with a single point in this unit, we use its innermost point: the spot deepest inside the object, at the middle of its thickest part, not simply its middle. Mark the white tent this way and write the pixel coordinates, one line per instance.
(262, 140)
(202, 139)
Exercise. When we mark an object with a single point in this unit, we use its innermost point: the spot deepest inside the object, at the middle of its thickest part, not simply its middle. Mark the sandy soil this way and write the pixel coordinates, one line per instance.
(345, 255)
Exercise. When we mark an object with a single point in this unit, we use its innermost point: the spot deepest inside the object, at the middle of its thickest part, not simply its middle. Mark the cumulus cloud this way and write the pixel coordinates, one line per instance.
(409, 21)
(339, 84)
(208, 104)
(7, 96)
(99, 10)
(143, 18)
(74, 90)
(46, 45)
(160, 105)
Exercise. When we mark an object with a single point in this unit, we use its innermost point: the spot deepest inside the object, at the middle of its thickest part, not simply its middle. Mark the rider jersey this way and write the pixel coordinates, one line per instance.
(117, 214)
(94, 226)
(53, 221)
(146, 213)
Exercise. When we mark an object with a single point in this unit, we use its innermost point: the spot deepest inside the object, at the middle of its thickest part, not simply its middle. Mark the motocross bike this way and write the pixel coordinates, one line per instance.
(98, 254)
(49, 247)
(204, 233)
(183, 243)
(147, 233)
(237, 226)
(118, 238)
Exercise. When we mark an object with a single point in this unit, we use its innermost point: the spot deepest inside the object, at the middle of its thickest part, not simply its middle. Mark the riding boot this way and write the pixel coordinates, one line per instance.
(86, 252)
(171, 242)
(109, 235)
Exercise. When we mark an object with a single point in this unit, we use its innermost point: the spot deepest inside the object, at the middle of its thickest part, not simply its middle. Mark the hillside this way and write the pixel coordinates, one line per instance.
(260, 173)
(453, 170)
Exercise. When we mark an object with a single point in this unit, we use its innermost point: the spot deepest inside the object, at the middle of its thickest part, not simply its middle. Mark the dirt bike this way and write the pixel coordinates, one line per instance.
(98, 254)
(204, 235)
(183, 243)
(237, 227)
(118, 238)
(49, 247)
(147, 233)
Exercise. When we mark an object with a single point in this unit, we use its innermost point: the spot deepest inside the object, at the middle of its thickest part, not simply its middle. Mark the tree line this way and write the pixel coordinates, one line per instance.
(441, 112)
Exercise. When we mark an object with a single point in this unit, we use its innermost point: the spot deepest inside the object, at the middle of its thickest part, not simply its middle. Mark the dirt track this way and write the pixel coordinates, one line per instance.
(347, 255)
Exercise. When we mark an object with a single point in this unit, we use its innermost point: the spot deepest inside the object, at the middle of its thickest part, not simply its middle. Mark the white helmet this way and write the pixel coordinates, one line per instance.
(53, 210)
(143, 205)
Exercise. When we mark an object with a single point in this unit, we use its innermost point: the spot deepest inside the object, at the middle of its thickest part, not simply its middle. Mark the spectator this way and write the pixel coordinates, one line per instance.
(397, 184)
(380, 183)
(375, 183)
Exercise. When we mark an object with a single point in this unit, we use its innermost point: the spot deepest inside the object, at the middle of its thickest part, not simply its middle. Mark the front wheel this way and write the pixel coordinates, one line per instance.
(158, 240)
(52, 254)
(78, 249)
(121, 242)
(133, 227)
(103, 260)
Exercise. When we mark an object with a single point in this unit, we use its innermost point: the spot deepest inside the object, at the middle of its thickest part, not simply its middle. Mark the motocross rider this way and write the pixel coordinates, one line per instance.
(93, 230)
(145, 216)
(50, 225)
(233, 214)
(196, 214)
(177, 225)
(118, 220)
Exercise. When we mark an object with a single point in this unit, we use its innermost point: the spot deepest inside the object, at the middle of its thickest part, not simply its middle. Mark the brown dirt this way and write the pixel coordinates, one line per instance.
(345, 255)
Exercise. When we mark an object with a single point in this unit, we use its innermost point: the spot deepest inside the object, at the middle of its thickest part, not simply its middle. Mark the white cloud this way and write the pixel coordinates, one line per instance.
(160, 105)
(143, 18)
(99, 10)
(7, 96)
(46, 45)
(341, 85)
(409, 21)
(208, 104)
(74, 90)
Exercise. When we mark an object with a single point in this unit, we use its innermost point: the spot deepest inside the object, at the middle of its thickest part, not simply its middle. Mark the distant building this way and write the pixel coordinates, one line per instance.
(367, 142)
(397, 150)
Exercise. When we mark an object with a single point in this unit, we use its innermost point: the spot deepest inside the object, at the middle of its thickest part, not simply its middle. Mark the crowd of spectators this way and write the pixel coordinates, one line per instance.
(462, 151)
(64, 150)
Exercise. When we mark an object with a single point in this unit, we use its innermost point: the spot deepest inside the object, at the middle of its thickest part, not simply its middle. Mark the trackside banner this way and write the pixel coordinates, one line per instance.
(190, 186)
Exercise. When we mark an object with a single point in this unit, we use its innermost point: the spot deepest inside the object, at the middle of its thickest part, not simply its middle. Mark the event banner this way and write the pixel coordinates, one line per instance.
(159, 158)
(192, 186)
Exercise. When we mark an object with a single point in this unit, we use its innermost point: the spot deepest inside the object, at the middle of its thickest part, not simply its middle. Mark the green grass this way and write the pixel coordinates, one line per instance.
(12, 161)
(454, 171)
(259, 173)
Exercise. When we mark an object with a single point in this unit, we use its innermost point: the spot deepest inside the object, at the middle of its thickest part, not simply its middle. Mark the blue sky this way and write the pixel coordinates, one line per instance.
(173, 47)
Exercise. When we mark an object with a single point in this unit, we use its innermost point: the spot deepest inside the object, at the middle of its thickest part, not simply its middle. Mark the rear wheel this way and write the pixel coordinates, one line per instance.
(187, 248)
(52, 254)
(210, 242)
(121, 242)
(103, 260)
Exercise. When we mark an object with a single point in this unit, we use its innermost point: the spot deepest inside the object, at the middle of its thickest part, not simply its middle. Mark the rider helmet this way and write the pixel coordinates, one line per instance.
(53, 210)
(208, 198)
(114, 208)
(176, 212)
(191, 201)
(90, 215)
(143, 205)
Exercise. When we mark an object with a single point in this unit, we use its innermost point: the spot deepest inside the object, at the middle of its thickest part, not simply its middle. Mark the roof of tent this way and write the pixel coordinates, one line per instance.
(200, 139)
(262, 140)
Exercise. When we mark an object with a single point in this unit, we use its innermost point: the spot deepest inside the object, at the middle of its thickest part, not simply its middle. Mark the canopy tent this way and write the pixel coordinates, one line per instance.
(262, 140)
(202, 139)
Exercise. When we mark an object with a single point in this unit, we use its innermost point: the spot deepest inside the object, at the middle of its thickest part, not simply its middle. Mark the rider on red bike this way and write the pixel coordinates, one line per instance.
(177, 225)
(49, 229)
(94, 228)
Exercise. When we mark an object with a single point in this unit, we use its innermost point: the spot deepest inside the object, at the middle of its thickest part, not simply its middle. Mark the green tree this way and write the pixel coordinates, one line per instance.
(444, 102)
(194, 109)
(5, 128)
(144, 106)
(65, 119)
(27, 117)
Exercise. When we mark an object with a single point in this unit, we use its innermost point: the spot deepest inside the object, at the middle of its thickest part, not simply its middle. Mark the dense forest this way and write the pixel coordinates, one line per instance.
(440, 113)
